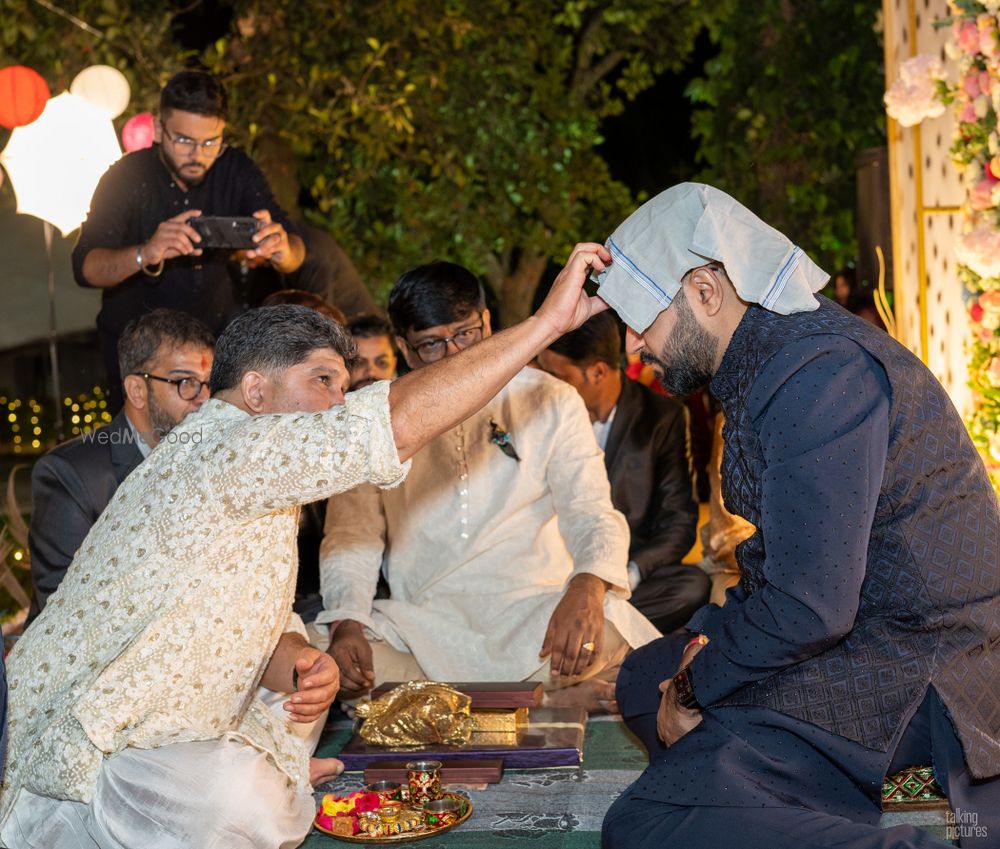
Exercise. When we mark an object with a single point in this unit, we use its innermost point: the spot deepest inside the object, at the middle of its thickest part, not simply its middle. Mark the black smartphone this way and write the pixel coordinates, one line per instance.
(226, 232)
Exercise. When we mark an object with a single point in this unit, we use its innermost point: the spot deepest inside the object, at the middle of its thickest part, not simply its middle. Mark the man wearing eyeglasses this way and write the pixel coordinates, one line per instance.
(137, 245)
(505, 558)
(166, 356)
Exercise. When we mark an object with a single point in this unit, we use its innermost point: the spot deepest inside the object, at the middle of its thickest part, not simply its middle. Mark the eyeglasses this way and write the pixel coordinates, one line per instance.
(188, 388)
(211, 147)
(432, 350)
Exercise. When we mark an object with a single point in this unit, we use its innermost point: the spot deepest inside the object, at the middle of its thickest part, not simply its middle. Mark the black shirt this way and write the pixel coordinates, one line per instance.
(135, 195)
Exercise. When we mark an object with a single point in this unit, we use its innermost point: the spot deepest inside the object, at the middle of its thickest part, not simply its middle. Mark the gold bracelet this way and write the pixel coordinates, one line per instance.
(157, 272)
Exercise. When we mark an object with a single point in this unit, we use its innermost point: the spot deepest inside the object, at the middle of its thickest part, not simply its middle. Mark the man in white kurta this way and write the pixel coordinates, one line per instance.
(479, 547)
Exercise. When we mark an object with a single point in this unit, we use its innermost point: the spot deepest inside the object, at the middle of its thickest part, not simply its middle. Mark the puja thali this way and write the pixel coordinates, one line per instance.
(420, 832)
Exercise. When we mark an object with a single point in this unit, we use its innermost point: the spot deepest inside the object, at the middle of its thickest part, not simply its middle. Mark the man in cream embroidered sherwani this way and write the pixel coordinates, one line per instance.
(505, 562)
(133, 717)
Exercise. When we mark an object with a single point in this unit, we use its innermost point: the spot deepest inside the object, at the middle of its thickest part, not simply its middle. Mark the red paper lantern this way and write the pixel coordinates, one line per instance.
(23, 95)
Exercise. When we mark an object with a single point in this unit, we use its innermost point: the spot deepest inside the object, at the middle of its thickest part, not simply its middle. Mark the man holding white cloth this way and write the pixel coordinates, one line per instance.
(133, 716)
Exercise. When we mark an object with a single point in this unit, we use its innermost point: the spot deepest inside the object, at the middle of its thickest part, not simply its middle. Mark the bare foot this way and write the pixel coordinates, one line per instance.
(593, 696)
(322, 770)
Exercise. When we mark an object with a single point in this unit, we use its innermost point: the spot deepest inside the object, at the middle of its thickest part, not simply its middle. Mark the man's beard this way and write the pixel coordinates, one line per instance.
(160, 421)
(687, 361)
(186, 172)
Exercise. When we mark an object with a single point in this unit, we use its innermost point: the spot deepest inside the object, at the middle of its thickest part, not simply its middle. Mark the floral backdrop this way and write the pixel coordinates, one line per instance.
(970, 84)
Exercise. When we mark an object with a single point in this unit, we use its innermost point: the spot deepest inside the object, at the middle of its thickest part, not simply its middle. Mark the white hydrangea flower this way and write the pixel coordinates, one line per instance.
(922, 67)
(979, 250)
(914, 97)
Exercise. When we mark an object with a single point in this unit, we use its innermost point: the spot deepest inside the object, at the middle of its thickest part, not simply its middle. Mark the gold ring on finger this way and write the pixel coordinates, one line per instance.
(590, 646)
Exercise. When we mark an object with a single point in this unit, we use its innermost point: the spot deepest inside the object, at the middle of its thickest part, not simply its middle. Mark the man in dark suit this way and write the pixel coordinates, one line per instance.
(647, 454)
(166, 357)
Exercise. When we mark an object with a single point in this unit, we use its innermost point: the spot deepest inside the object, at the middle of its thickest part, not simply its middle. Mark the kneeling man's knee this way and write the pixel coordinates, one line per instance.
(633, 823)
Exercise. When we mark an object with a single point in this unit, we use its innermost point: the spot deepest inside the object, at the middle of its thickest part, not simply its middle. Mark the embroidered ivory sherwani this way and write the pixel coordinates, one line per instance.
(478, 547)
(170, 611)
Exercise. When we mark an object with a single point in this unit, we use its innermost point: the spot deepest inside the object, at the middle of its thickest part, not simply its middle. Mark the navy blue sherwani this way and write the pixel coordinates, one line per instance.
(864, 632)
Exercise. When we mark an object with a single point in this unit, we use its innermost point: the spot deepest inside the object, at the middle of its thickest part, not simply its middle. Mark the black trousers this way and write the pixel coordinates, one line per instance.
(930, 738)
(669, 597)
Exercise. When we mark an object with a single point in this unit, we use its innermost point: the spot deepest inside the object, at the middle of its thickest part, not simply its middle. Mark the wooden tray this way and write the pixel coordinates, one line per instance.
(406, 836)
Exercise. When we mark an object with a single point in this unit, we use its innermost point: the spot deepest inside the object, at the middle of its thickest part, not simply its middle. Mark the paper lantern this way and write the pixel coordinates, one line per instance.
(23, 95)
(54, 163)
(137, 134)
(104, 87)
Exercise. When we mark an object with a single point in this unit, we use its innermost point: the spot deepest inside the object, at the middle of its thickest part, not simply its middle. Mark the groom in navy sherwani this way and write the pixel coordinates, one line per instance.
(864, 635)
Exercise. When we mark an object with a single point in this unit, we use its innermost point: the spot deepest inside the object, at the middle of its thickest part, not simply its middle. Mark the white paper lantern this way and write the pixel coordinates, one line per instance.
(103, 86)
(54, 162)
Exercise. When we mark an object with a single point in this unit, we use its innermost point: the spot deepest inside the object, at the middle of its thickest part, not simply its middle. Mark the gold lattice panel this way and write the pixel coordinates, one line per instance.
(924, 191)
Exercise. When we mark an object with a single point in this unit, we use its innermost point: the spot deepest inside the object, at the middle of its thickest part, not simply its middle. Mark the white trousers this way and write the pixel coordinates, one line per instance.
(214, 794)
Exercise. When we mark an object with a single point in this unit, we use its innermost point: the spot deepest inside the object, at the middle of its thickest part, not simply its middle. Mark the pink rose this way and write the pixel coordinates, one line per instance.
(984, 82)
(968, 114)
(985, 335)
(967, 35)
(981, 197)
(970, 85)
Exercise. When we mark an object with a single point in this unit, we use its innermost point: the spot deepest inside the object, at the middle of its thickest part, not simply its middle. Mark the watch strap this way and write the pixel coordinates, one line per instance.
(684, 690)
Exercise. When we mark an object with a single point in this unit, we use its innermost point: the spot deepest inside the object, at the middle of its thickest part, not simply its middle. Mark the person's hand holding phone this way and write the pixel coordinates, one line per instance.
(174, 237)
(271, 239)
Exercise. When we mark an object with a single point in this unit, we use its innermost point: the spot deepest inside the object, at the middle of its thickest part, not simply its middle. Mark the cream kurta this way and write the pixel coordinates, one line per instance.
(480, 546)
(167, 617)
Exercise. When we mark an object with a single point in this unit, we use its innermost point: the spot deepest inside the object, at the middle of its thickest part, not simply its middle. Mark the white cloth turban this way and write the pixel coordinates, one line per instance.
(691, 225)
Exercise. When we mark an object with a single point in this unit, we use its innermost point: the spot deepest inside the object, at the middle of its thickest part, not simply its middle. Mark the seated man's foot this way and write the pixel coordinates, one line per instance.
(593, 696)
(322, 770)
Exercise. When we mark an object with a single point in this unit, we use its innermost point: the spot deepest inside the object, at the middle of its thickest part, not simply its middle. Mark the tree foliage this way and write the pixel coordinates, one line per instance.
(793, 95)
(451, 128)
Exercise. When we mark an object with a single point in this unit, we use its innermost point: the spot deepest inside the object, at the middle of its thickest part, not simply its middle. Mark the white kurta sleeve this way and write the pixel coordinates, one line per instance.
(350, 555)
(272, 462)
(595, 533)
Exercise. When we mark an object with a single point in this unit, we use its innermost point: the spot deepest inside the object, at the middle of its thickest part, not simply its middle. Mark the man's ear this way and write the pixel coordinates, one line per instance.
(256, 390)
(709, 291)
(158, 130)
(408, 353)
(487, 327)
(136, 390)
(597, 372)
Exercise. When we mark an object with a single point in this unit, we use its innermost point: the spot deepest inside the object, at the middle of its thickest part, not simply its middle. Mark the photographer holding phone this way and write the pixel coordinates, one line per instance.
(138, 244)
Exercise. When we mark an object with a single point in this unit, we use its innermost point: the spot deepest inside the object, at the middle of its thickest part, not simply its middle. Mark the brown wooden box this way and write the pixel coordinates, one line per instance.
(452, 772)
